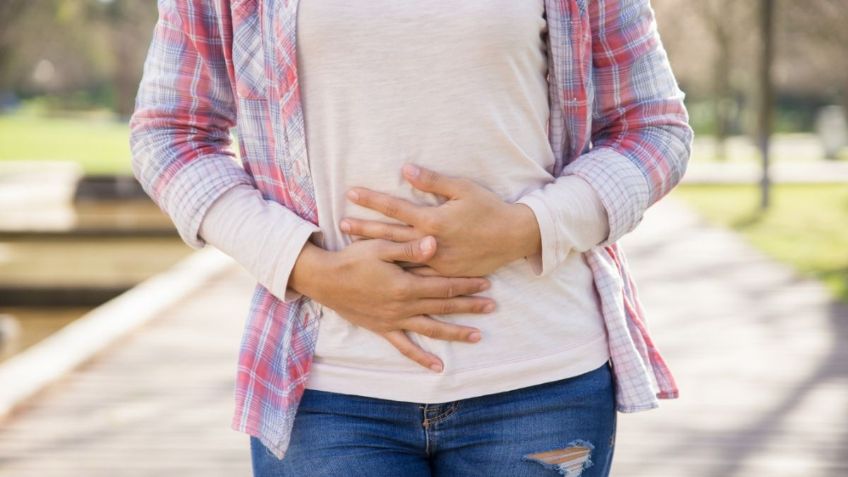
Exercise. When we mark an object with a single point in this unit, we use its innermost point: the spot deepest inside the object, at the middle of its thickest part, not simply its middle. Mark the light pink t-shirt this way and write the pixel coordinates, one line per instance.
(459, 88)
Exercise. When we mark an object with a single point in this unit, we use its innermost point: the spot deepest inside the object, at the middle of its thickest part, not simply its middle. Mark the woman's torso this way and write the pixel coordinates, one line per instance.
(459, 88)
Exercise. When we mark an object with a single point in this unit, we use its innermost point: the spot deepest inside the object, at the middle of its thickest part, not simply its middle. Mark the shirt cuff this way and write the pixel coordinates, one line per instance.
(263, 236)
(571, 216)
(286, 260)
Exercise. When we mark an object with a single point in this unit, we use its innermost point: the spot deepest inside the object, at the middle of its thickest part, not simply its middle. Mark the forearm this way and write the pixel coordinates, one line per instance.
(563, 216)
(180, 128)
(264, 237)
(311, 270)
(526, 239)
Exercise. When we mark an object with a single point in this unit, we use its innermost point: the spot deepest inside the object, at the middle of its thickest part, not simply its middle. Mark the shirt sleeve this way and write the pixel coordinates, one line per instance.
(262, 236)
(640, 134)
(571, 217)
(180, 128)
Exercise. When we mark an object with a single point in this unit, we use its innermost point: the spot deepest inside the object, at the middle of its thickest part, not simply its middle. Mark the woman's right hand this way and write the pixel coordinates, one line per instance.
(364, 285)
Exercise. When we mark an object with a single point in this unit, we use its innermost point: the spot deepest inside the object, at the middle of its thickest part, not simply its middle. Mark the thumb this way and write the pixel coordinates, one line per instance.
(428, 180)
(418, 250)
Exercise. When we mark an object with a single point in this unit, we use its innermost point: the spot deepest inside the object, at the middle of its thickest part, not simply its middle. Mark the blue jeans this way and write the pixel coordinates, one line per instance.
(565, 427)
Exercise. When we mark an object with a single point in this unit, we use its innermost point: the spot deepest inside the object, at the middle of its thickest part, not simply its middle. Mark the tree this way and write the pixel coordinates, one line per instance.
(723, 19)
(95, 46)
(129, 25)
(766, 30)
(812, 45)
(10, 12)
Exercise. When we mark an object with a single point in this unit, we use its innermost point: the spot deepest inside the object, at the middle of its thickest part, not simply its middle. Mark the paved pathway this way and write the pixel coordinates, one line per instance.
(750, 172)
(795, 158)
(758, 352)
(156, 404)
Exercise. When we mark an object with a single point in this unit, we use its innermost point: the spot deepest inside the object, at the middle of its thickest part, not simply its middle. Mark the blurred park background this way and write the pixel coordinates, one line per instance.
(748, 295)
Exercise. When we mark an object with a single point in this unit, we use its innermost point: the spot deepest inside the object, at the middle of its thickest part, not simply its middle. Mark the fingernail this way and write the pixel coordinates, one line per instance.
(352, 195)
(485, 286)
(436, 367)
(489, 307)
(411, 170)
(426, 244)
(345, 226)
(475, 336)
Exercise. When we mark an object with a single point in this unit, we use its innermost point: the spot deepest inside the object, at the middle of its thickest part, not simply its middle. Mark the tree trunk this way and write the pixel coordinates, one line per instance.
(722, 93)
(766, 93)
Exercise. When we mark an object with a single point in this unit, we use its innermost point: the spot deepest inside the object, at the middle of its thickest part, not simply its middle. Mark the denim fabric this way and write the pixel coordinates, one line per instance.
(505, 434)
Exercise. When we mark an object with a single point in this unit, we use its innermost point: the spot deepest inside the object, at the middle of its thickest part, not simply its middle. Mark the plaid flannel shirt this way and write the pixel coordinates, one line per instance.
(617, 121)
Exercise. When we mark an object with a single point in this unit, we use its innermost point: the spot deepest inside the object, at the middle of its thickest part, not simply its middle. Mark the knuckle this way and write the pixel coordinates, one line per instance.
(390, 208)
(394, 310)
(447, 307)
(452, 268)
(399, 291)
(382, 326)
(388, 234)
(430, 177)
(407, 351)
(380, 247)
(379, 320)
(470, 287)
(451, 289)
(409, 250)
(432, 223)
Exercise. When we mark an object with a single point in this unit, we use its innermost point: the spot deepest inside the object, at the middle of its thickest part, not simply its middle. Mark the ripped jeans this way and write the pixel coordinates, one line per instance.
(565, 427)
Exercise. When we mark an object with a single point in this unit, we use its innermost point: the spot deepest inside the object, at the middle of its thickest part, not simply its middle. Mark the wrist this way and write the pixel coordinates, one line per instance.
(310, 268)
(525, 238)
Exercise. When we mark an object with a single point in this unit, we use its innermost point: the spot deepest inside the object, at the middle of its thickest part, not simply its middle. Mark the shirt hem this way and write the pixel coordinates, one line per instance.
(443, 387)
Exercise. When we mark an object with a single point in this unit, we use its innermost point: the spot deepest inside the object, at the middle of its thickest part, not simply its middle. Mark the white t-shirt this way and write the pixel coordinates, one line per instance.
(460, 88)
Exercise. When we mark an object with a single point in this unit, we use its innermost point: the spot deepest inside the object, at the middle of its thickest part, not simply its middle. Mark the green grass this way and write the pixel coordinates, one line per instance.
(806, 226)
(100, 146)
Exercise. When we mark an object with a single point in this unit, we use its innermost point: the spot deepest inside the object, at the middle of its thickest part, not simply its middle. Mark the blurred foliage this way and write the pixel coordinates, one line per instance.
(90, 53)
(75, 51)
(713, 47)
(93, 139)
(806, 226)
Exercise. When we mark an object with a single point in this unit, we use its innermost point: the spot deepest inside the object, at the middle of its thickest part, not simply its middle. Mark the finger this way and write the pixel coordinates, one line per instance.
(446, 306)
(401, 341)
(382, 230)
(446, 287)
(417, 251)
(431, 181)
(421, 270)
(393, 207)
(430, 327)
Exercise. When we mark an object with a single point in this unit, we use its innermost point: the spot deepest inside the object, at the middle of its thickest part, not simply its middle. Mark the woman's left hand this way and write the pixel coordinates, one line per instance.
(476, 231)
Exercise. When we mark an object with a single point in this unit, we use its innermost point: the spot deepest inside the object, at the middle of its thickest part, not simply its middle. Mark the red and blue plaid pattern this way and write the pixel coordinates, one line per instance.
(617, 121)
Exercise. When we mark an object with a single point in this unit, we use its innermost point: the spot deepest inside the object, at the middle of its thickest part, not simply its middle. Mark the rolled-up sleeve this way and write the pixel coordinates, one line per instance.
(641, 138)
(180, 129)
(571, 218)
(261, 235)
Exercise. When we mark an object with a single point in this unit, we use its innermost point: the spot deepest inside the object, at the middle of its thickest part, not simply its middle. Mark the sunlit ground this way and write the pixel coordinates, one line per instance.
(806, 225)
